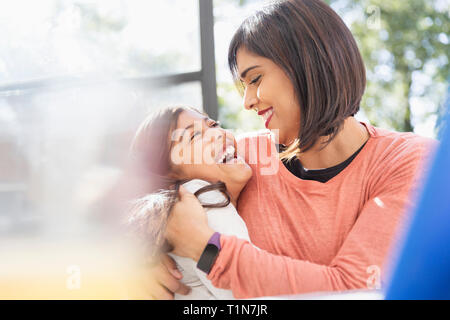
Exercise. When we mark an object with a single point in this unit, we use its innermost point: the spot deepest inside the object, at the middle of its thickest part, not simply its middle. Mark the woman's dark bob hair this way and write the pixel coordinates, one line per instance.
(318, 53)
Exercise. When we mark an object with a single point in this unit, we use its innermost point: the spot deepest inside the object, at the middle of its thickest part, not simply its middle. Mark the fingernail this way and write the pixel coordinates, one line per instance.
(176, 273)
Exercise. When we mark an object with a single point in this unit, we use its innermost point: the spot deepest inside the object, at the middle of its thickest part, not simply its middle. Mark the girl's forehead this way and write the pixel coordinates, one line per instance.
(188, 117)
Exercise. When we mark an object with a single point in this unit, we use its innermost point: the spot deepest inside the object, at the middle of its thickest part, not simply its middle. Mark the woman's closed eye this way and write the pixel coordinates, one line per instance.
(255, 80)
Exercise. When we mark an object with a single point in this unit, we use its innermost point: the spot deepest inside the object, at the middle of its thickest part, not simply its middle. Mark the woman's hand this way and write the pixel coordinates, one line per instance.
(187, 230)
(163, 280)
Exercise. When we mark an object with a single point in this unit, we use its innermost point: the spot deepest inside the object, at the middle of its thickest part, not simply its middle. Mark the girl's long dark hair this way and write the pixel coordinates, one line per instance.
(155, 191)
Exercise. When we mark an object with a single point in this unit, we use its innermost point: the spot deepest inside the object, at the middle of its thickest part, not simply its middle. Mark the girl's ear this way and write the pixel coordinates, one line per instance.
(174, 173)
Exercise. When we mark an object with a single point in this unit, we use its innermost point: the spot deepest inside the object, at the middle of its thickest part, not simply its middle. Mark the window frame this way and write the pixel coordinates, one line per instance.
(206, 75)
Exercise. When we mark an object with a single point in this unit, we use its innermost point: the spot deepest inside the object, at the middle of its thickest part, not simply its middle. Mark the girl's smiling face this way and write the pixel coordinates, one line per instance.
(203, 150)
(269, 92)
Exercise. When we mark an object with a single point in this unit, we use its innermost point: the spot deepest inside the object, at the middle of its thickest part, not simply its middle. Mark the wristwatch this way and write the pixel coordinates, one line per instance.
(210, 253)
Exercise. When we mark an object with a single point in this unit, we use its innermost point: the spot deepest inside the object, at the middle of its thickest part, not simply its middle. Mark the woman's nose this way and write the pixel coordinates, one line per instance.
(250, 99)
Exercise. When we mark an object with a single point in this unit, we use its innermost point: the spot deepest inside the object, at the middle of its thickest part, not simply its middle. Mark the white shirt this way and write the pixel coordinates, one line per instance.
(224, 220)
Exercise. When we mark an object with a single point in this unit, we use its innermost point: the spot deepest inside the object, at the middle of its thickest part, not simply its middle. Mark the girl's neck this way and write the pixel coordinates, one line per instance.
(234, 190)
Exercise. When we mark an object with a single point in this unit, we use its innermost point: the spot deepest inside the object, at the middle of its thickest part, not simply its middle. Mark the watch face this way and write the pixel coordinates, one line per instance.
(208, 257)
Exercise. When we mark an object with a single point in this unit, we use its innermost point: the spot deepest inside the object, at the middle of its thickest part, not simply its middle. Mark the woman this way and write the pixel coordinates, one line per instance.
(325, 221)
(180, 146)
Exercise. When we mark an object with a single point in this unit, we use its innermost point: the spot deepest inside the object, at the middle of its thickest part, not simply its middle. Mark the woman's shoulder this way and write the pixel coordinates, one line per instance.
(258, 148)
(395, 139)
(392, 151)
(253, 136)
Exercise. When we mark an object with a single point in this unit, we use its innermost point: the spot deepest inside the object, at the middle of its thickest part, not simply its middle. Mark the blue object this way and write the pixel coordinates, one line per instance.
(423, 267)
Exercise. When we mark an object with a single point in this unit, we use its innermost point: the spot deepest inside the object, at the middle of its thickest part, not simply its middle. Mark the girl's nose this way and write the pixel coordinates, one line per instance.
(215, 134)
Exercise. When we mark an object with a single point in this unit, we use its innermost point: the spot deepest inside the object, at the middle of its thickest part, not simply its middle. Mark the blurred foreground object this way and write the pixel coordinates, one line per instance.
(423, 268)
(69, 270)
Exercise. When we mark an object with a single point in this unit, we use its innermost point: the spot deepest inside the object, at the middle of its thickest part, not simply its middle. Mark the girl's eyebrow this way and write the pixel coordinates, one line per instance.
(244, 73)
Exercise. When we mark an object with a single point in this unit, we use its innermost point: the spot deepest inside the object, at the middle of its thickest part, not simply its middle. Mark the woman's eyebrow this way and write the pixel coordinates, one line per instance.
(244, 73)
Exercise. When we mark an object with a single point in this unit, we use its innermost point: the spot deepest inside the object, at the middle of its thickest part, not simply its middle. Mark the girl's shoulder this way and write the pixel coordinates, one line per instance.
(195, 184)
(212, 196)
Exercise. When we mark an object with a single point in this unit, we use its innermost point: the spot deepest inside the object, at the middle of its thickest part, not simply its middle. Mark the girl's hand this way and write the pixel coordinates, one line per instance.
(163, 280)
(187, 229)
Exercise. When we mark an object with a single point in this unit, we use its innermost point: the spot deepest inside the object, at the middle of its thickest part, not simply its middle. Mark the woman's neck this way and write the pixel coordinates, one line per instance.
(349, 139)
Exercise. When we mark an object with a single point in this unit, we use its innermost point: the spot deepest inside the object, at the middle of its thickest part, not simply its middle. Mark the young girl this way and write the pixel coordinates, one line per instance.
(164, 153)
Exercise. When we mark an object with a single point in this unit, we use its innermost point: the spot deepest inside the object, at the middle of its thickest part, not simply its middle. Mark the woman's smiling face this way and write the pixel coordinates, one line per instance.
(203, 150)
(269, 91)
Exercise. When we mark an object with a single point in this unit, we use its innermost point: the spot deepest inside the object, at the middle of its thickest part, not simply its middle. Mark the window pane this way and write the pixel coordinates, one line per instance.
(48, 38)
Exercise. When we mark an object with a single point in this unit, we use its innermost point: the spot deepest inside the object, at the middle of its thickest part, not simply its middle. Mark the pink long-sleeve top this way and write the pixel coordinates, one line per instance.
(321, 236)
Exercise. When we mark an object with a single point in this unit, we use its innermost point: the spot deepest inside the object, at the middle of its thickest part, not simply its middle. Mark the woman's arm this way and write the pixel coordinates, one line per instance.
(358, 264)
(250, 272)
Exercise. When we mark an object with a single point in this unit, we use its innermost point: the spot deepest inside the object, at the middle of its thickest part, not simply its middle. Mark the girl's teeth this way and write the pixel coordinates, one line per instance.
(229, 154)
(237, 160)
